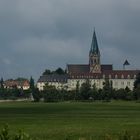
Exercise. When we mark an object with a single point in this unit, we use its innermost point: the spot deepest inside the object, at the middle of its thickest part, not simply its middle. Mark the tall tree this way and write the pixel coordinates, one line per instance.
(47, 72)
(137, 81)
(85, 90)
(32, 86)
(107, 89)
(51, 94)
(59, 71)
(137, 87)
(77, 90)
(35, 94)
(2, 84)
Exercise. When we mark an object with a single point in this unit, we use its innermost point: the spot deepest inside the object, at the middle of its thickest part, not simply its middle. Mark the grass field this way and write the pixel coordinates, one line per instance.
(58, 121)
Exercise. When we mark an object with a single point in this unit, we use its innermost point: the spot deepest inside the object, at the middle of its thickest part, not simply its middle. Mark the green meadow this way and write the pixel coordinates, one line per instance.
(71, 120)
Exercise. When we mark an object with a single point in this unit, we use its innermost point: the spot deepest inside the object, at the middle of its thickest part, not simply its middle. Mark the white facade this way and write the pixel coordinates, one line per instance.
(71, 84)
(58, 85)
(116, 83)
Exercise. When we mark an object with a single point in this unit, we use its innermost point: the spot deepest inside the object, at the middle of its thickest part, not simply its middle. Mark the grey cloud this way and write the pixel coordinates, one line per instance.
(39, 34)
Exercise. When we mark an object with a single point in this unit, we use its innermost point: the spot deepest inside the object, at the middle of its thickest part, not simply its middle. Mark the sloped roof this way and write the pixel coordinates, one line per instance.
(106, 67)
(85, 68)
(113, 74)
(78, 68)
(53, 78)
(12, 83)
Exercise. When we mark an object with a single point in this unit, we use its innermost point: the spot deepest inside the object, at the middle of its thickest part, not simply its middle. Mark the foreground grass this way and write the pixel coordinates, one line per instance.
(59, 121)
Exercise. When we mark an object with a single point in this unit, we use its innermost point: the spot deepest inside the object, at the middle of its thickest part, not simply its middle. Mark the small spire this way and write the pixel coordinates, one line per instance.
(126, 63)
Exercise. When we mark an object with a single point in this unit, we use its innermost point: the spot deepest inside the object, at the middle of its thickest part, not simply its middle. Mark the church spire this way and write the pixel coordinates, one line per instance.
(94, 56)
(94, 50)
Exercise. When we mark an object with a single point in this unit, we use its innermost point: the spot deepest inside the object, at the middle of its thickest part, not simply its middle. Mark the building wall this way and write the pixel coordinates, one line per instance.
(71, 83)
(58, 85)
(40, 85)
(123, 83)
(116, 83)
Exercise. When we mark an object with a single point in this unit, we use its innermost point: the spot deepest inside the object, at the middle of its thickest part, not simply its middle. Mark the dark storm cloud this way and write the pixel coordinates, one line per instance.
(40, 34)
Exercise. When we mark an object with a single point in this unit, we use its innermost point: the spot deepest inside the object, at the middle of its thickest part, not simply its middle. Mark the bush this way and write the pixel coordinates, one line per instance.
(5, 135)
(123, 136)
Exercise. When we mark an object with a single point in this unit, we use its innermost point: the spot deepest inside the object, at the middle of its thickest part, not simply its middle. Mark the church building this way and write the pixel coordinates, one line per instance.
(95, 72)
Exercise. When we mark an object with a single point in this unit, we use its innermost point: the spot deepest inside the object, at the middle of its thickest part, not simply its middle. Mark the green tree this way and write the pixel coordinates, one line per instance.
(36, 95)
(77, 91)
(2, 84)
(59, 71)
(137, 81)
(2, 90)
(85, 90)
(107, 90)
(47, 72)
(137, 87)
(32, 85)
(5, 134)
(94, 93)
(50, 94)
(34, 91)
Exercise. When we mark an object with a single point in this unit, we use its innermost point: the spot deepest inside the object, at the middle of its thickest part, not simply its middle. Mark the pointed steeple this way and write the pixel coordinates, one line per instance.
(94, 56)
(94, 50)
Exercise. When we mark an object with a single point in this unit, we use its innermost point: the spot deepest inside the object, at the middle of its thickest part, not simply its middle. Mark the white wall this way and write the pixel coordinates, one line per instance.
(71, 84)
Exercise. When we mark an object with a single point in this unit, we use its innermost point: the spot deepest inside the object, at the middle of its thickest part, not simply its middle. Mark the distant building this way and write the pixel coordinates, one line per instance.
(59, 81)
(95, 72)
(19, 84)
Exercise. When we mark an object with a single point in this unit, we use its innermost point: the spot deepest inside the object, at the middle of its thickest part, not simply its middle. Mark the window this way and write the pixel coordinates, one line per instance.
(122, 83)
(116, 76)
(128, 83)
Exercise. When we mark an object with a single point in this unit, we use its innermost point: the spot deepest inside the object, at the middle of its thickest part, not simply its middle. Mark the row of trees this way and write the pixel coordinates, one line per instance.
(85, 92)
(59, 71)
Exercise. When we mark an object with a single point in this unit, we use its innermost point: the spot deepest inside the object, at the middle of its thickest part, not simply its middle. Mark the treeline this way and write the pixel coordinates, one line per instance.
(88, 93)
(14, 93)
(59, 71)
(84, 93)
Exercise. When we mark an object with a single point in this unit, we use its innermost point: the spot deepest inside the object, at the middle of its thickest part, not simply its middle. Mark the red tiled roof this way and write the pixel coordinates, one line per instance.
(113, 74)
(13, 83)
(85, 68)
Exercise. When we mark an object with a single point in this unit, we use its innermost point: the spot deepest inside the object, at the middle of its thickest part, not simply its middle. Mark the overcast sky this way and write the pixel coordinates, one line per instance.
(40, 34)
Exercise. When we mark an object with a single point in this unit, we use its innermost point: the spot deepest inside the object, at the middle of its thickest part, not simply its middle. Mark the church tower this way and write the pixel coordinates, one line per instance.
(94, 56)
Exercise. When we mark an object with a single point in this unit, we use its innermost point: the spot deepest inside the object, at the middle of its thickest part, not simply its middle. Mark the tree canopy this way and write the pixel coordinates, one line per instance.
(137, 81)
(58, 71)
